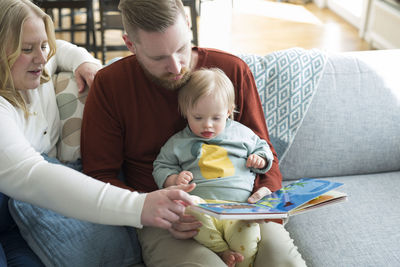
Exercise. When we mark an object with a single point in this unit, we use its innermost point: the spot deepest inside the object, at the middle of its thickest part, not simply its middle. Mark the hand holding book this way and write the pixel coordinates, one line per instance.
(295, 198)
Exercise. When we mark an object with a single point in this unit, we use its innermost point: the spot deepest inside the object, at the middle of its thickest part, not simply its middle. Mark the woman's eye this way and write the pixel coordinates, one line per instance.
(26, 50)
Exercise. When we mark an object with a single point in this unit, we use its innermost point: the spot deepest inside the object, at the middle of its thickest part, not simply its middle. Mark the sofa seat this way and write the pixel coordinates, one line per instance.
(360, 232)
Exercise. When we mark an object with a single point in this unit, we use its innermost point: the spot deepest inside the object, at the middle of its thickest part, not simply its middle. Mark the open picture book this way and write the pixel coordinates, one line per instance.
(297, 197)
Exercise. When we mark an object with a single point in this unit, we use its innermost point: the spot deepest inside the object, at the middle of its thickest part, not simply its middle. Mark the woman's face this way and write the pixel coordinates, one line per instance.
(29, 66)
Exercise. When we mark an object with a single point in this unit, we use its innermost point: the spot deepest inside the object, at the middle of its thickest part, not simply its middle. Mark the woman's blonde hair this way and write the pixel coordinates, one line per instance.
(13, 14)
(149, 15)
(206, 82)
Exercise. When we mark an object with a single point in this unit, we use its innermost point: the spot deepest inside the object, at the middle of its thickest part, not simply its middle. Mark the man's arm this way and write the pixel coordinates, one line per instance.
(101, 136)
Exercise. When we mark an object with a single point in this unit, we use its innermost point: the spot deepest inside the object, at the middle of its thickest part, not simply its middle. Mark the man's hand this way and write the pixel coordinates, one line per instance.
(255, 161)
(186, 227)
(84, 75)
(162, 208)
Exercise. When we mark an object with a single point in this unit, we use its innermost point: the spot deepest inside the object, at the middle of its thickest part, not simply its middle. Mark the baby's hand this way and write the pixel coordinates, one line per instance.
(184, 177)
(255, 161)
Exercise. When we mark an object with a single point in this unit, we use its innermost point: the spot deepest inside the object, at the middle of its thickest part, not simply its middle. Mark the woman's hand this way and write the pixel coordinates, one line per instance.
(84, 75)
(164, 207)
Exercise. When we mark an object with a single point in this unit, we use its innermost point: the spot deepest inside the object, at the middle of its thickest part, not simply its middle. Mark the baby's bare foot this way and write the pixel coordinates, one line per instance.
(231, 257)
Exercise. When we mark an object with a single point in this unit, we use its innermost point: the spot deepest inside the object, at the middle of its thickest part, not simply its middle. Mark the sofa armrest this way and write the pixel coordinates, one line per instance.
(353, 124)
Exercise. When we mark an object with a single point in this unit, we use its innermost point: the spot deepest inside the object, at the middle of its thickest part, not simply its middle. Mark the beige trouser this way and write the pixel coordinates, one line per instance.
(236, 235)
(159, 248)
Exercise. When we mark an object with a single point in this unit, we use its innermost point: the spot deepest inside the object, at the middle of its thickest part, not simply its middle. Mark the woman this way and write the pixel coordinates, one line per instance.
(29, 121)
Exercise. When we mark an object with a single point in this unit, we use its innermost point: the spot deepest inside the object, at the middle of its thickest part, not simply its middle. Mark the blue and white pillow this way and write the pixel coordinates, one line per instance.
(287, 81)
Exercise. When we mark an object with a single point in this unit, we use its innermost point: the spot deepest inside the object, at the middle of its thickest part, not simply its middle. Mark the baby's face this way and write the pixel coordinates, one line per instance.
(207, 119)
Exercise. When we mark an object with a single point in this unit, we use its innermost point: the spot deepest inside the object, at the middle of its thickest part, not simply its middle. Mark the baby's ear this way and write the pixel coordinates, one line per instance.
(231, 110)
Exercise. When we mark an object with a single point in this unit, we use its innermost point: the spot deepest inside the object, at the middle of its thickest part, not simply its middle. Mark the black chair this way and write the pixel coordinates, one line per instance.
(73, 27)
(110, 19)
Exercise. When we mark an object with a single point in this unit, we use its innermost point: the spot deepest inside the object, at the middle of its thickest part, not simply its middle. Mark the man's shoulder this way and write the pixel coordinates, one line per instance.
(215, 57)
(119, 67)
(216, 52)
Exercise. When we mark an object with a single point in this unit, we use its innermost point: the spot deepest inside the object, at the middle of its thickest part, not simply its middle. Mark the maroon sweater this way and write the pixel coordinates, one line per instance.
(127, 119)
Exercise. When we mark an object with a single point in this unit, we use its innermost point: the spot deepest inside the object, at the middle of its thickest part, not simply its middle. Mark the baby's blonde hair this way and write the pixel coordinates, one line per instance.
(13, 14)
(205, 82)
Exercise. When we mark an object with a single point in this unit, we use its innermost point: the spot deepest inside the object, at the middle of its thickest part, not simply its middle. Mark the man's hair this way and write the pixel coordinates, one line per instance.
(205, 82)
(149, 15)
(13, 14)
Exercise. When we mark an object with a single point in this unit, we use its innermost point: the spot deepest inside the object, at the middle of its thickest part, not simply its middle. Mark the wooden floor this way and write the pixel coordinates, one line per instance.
(261, 26)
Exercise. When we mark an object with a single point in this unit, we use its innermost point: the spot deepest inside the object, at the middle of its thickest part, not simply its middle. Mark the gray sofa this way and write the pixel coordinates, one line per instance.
(334, 116)
(351, 134)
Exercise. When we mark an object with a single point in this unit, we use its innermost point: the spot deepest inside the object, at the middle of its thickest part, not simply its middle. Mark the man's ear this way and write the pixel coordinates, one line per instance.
(129, 44)
(187, 20)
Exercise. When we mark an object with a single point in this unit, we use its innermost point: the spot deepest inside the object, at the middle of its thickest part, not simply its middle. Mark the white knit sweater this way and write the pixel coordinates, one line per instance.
(26, 176)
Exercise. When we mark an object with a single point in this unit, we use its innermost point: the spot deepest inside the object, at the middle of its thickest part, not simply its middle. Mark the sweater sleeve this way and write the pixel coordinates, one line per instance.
(68, 57)
(261, 148)
(166, 163)
(26, 176)
(251, 114)
(102, 142)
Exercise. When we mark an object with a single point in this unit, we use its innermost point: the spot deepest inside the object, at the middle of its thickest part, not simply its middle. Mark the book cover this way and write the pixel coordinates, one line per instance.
(297, 197)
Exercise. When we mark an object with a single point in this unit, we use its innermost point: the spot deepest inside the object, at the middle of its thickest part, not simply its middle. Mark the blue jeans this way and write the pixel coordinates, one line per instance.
(14, 251)
(62, 241)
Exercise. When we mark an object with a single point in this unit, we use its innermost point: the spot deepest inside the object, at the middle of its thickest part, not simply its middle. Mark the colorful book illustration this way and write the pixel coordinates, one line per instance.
(298, 197)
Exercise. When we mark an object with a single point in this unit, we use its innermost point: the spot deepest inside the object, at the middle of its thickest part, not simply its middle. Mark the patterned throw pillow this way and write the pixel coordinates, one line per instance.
(70, 105)
(286, 81)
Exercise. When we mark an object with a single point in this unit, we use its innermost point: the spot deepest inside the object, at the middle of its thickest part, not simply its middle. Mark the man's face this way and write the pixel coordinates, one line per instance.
(166, 56)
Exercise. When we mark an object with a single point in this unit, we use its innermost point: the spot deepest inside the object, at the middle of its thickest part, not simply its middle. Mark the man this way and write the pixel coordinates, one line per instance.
(132, 110)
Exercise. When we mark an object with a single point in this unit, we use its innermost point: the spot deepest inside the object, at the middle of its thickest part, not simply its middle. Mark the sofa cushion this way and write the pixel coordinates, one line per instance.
(70, 104)
(360, 232)
(353, 124)
(286, 81)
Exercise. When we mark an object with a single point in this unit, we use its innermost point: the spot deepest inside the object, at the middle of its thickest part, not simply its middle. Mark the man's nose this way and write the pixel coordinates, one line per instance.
(174, 65)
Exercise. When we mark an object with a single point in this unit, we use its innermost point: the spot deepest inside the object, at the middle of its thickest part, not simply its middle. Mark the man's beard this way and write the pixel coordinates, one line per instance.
(167, 81)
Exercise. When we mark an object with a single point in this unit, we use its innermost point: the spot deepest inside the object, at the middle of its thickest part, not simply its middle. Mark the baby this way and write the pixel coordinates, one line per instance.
(221, 156)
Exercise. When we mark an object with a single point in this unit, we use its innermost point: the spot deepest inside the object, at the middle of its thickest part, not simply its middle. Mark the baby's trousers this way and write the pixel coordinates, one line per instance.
(160, 248)
(221, 235)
